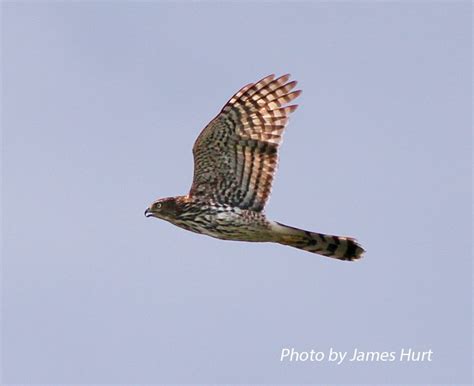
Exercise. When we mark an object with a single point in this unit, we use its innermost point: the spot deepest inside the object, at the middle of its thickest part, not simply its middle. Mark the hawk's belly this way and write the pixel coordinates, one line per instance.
(228, 224)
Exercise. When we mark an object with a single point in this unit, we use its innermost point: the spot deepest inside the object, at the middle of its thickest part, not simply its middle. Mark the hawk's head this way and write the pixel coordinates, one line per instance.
(164, 208)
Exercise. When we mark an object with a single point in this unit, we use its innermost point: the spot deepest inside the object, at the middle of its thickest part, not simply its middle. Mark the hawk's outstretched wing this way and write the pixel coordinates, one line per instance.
(236, 154)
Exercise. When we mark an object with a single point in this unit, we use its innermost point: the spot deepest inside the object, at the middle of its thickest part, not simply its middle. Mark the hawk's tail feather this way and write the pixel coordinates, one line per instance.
(337, 247)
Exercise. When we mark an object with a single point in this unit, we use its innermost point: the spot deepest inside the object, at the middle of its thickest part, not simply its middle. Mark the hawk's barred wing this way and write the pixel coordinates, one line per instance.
(236, 154)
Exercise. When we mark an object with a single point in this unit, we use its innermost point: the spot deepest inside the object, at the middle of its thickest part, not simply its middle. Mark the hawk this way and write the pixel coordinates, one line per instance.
(235, 158)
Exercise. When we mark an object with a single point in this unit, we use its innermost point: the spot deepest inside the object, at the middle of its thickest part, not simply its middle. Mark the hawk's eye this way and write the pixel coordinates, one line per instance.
(158, 205)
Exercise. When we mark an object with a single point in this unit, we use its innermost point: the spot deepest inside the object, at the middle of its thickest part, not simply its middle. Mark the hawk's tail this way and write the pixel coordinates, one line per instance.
(342, 248)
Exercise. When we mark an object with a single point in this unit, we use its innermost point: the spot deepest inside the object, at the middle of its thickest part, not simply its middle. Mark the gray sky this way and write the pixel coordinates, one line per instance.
(101, 105)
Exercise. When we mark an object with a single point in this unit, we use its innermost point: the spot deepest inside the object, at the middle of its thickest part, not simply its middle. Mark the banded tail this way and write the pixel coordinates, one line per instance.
(342, 248)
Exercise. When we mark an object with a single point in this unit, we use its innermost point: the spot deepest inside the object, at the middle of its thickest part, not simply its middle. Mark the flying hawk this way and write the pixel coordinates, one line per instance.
(235, 158)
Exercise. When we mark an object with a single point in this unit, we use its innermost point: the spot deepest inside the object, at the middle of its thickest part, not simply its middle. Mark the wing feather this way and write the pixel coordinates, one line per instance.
(236, 155)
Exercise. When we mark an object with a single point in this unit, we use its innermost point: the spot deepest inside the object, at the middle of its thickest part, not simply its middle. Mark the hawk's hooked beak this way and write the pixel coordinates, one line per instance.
(148, 213)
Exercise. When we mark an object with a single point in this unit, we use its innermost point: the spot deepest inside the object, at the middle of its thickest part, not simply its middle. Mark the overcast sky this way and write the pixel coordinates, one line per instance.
(102, 102)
